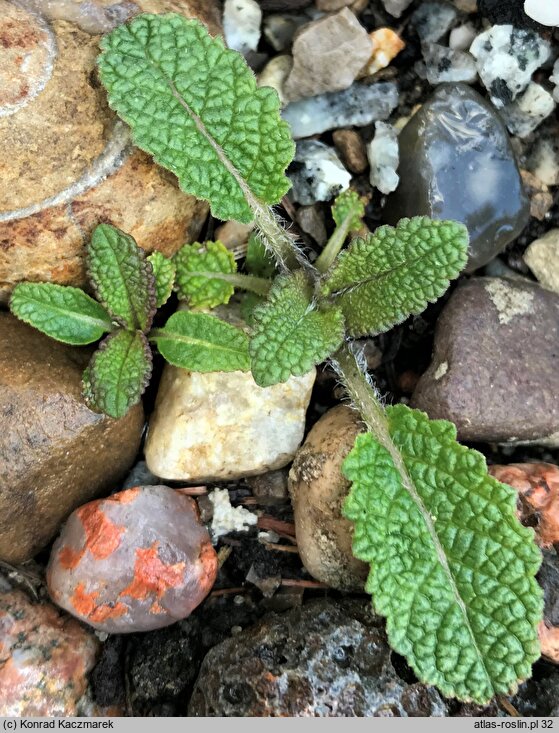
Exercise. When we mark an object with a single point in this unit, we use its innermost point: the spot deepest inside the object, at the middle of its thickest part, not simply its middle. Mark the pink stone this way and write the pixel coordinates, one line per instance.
(135, 561)
(45, 658)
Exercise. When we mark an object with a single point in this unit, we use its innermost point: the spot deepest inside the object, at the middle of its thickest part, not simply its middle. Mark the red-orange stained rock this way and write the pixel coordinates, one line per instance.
(83, 602)
(102, 537)
(69, 558)
(156, 608)
(151, 575)
(105, 611)
(125, 497)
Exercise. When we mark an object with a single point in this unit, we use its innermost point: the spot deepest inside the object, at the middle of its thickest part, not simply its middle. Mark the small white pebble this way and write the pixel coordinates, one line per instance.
(545, 12)
(241, 24)
(461, 38)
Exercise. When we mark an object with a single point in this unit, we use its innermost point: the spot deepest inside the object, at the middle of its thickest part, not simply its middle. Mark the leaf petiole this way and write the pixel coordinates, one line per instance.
(258, 285)
(334, 244)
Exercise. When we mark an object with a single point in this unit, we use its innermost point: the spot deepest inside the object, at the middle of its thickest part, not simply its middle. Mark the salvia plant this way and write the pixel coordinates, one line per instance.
(452, 569)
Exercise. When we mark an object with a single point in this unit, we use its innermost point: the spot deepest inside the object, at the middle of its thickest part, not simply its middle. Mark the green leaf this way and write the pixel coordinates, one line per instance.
(63, 313)
(395, 272)
(249, 302)
(202, 343)
(258, 260)
(291, 334)
(452, 569)
(119, 372)
(196, 108)
(121, 277)
(348, 207)
(195, 265)
(164, 273)
(87, 390)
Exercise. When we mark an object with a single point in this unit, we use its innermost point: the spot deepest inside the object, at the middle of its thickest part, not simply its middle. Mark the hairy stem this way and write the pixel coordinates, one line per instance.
(334, 245)
(274, 237)
(363, 394)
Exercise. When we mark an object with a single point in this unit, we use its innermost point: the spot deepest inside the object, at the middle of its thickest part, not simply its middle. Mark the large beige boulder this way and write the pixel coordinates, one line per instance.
(68, 163)
(55, 453)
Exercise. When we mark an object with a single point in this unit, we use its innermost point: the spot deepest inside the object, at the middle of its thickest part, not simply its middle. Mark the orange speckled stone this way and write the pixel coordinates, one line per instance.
(45, 658)
(537, 485)
(138, 560)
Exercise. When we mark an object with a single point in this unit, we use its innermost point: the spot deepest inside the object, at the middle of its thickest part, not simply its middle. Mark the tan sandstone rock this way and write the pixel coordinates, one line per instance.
(70, 163)
(318, 490)
(55, 453)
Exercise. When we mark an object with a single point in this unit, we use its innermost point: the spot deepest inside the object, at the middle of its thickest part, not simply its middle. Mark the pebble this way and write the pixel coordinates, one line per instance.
(359, 105)
(327, 659)
(318, 490)
(456, 162)
(275, 73)
(270, 488)
(461, 38)
(494, 371)
(241, 24)
(136, 561)
(383, 156)
(537, 485)
(46, 658)
(387, 44)
(222, 425)
(311, 221)
(328, 54)
(541, 199)
(140, 475)
(352, 150)
(506, 57)
(279, 29)
(396, 7)
(317, 174)
(528, 110)
(433, 20)
(226, 518)
(542, 11)
(543, 159)
(447, 65)
(55, 452)
(542, 257)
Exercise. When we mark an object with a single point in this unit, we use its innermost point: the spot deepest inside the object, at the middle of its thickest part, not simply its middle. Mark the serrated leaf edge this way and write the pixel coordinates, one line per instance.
(103, 346)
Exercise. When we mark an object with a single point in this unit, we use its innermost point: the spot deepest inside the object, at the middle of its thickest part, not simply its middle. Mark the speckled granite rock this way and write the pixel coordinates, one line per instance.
(55, 452)
(456, 162)
(495, 367)
(327, 659)
(45, 659)
(318, 490)
(138, 560)
(71, 163)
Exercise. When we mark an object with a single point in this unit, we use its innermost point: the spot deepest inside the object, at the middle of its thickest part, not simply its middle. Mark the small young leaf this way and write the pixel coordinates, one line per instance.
(452, 569)
(195, 106)
(258, 260)
(395, 272)
(119, 372)
(195, 264)
(122, 279)
(290, 334)
(63, 313)
(164, 273)
(348, 206)
(202, 343)
(248, 303)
